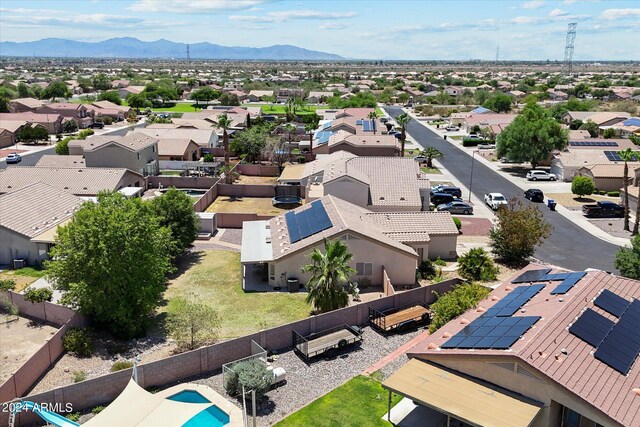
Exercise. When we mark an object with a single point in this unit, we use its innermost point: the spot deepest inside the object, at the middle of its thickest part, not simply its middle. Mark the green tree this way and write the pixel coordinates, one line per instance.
(229, 99)
(205, 94)
(431, 153)
(452, 304)
(627, 155)
(477, 265)
(251, 142)
(591, 127)
(32, 134)
(192, 324)
(330, 273)
(443, 98)
(138, 101)
(23, 90)
(269, 99)
(62, 147)
(224, 123)
(112, 260)
(582, 186)
(531, 137)
(518, 231)
(403, 120)
(56, 89)
(480, 96)
(175, 211)
(111, 96)
(500, 103)
(252, 374)
(628, 259)
(373, 116)
(101, 82)
(69, 126)
(609, 133)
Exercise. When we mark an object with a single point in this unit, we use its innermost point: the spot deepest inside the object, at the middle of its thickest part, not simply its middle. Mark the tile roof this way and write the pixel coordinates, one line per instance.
(28, 102)
(410, 224)
(199, 136)
(368, 140)
(607, 170)
(35, 208)
(489, 119)
(56, 161)
(173, 147)
(12, 125)
(134, 141)
(79, 181)
(322, 160)
(30, 117)
(541, 346)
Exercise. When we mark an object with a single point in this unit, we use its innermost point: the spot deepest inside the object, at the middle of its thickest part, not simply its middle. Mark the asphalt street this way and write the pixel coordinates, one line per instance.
(569, 246)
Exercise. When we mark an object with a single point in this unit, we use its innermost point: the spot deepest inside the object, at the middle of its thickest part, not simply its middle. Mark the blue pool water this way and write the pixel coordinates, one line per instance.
(189, 396)
(210, 417)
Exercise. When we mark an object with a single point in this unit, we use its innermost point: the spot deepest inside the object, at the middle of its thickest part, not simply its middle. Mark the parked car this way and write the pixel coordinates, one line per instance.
(540, 175)
(436, 188)
(454, 191)
(420, 159)
(603, 210)
(97, 125)
(473, 136)
(457, 208)
(14, 158)
(495, 200)
(486, 146)
(506, 160)
(438, 198)
(534, 194)
(451, 128)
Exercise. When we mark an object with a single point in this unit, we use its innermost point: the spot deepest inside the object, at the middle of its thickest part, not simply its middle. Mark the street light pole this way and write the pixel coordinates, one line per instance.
(473, 159)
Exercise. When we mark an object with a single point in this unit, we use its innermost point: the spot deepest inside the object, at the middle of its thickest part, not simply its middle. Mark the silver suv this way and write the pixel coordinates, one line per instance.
(540, 175)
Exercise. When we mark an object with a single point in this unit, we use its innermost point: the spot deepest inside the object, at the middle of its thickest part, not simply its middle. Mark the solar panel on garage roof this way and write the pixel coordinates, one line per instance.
(367, 125)
(611, 303)
(621, 346)
(531, 276)
(359, 122)
(613, 156)
(307, 222)
(568, 283)
(591, 327)
(593, 143)
(512, 302)
(632, 122)
(491, 333)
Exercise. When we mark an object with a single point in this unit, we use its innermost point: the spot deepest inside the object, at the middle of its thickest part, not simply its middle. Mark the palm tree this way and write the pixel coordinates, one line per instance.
(637, 220)
(403, 120)
(431, 153)
(626, 155)
(309, 129)
(373, 116)
(224, 123)
(330, 272)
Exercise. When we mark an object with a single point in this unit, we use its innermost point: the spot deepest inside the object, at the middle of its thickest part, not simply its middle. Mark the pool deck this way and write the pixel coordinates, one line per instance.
(235, 413)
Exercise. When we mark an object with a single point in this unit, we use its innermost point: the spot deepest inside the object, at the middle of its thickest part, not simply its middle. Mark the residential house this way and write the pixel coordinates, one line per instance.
(69, 111)
(629, 127)
(566, 165)
(57, 161)
(517, 94)
(318, 97)
(495, 122)
(606, 176)
(601, 118)
(233, 85)
(283, 94)
(21, 105)
(29, 217)
(136, 151)
(83, 182)
(559, 352)
(109, 109)
(205, 138)
(258, 95)
(52, 122)
(123, 92)
(390, 243)
(453, 90)
(178, 149)
(360, 145)
(119, 84)
(9, 130)
(557, 95)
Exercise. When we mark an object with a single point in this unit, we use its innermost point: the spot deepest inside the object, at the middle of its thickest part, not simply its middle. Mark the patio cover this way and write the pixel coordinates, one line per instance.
(459, 397)
(50, 235)
(137, 407)
(254, 242)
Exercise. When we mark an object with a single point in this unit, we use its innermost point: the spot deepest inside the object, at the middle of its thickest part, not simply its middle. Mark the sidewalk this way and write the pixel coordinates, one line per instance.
(574, 216)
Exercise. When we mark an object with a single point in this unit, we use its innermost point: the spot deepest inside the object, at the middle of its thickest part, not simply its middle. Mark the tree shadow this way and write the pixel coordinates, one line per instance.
(584, 199)
(184, 262)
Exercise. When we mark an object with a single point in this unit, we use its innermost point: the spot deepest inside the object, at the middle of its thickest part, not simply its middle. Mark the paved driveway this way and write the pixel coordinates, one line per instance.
(569, 246)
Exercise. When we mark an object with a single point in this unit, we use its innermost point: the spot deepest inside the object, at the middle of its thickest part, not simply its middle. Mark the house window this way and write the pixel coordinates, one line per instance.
(138, 156)
(272, 269)
(364, 268)
(570, 418)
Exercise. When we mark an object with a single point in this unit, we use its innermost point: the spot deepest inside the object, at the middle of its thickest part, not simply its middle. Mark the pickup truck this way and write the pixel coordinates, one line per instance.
(603, 210)
(495, 200)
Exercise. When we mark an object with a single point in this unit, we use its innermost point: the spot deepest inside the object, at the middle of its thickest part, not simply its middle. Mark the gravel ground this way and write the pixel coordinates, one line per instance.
(232, 235)
(307, 382)
(613, 226)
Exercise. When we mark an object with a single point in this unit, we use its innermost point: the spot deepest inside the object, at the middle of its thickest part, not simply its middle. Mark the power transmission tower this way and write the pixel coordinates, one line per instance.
(188, 55)
(497, 54)
(568, 49)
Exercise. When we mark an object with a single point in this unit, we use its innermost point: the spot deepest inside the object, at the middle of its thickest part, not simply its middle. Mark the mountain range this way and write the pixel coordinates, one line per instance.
(128, 47)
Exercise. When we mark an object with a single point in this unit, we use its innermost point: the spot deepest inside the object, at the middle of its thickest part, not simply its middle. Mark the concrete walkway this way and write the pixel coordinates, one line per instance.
(560, 187)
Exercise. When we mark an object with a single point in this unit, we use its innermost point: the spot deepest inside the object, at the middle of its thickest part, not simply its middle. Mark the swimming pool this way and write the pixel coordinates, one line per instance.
(210, 417)
(193, 192)
(189, 396)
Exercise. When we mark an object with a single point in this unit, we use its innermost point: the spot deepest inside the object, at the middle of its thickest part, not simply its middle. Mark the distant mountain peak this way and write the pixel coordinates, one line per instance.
(130, 47)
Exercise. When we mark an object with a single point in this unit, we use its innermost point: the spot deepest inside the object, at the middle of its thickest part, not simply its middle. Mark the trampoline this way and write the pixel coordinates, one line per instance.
(286, 200)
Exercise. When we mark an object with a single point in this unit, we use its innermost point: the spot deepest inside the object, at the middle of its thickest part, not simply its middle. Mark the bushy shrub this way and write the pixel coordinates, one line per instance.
(477, 265)
(107, 120)
(472, 142)
(120, 365)
(613, 194)
(364, 283)
(97, 409)
(426, 270)
(253, 374)
(7, 285)
(582, 186)
(455, 302)
(38, 295)
(602, 192)
(7, 307)
(79, 376)
(78, 342)
(439, 262)
(458, 223)
(75, 416)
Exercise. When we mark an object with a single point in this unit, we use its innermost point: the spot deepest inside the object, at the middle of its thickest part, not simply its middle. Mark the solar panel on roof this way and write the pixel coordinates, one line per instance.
(568, 283)
(512, 302)
(621, 346)
(531, 276)
(491, 333)
(591, 327)
(632, 122)
(611, 303)
(307, 222)
(613, 156)
(593, 143)
(292, 226)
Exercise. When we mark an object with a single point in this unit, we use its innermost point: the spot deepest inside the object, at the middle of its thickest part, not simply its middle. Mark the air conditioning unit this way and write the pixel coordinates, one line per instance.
(19, 263)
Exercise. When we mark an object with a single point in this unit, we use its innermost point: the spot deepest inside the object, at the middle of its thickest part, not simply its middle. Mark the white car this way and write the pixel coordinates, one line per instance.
(540, 175)
(495, 200)
(451, 128)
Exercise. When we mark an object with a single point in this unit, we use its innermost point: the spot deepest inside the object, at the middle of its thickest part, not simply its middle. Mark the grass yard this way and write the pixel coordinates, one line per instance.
(178, 108)
(215, 279)
(430, 170)
(280, 109)
(23, 277)
(257, 205)
(359, 402)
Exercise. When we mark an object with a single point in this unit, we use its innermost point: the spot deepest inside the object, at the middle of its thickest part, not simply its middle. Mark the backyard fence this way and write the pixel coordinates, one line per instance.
(205, 360)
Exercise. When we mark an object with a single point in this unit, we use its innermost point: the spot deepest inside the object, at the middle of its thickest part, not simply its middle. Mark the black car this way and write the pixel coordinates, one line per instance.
(534, 194)
(603, 209)
(454, 191)
(97, 125)
(438, 198)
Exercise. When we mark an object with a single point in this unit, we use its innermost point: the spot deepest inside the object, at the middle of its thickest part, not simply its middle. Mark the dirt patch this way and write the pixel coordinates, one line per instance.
(21, 281)
(571, 201)
(475, 226)
(613, 226)
(245, 180)
(6, 151)
(19, 340)
(257, 205)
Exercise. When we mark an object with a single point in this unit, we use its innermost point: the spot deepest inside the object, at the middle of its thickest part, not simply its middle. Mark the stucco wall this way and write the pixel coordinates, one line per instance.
(113, 156)
(348, 189)
(443, 246)
(16, 246)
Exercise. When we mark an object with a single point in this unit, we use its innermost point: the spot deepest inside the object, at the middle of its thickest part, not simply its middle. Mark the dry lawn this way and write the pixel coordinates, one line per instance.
(22, 281)
(264, 180)
(257, 205)
(571, 201)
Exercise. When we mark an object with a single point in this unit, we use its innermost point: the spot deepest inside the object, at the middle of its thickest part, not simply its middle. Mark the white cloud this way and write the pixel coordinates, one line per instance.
(332, 26)
(611, 14)
(526, 19)
(193, 6)
(535, 4)
(292, 14)
(557, 12)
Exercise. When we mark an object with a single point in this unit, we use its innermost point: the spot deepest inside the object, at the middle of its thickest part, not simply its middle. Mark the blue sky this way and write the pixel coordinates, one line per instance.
(454, 29)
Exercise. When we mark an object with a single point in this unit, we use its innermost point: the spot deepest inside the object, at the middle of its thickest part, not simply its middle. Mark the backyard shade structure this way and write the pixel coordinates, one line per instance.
(458, 397)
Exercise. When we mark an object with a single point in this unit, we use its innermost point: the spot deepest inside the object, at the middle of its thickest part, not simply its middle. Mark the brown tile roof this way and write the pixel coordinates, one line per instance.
(173, 147)
(56, 161)
(199, 136)
(411, 226)
(322, 160)
(489, 119)
(28, 102)
(541, 346)
(12, 125)
(368, 140)
(607, 170)
(30, 117)
(134, 141)
(36, 208)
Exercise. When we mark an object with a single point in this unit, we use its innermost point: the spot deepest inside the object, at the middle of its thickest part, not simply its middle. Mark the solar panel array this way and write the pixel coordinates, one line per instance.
(368, 125)
(359, 122)
(613, 156)
(322, 137)
(531, 276)
(593, 143)
(568, 283)
(497, 333)
(307, 222)
(591, 327)
(621, 346)
(512, 302)
(611, 303)
(634, 121)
